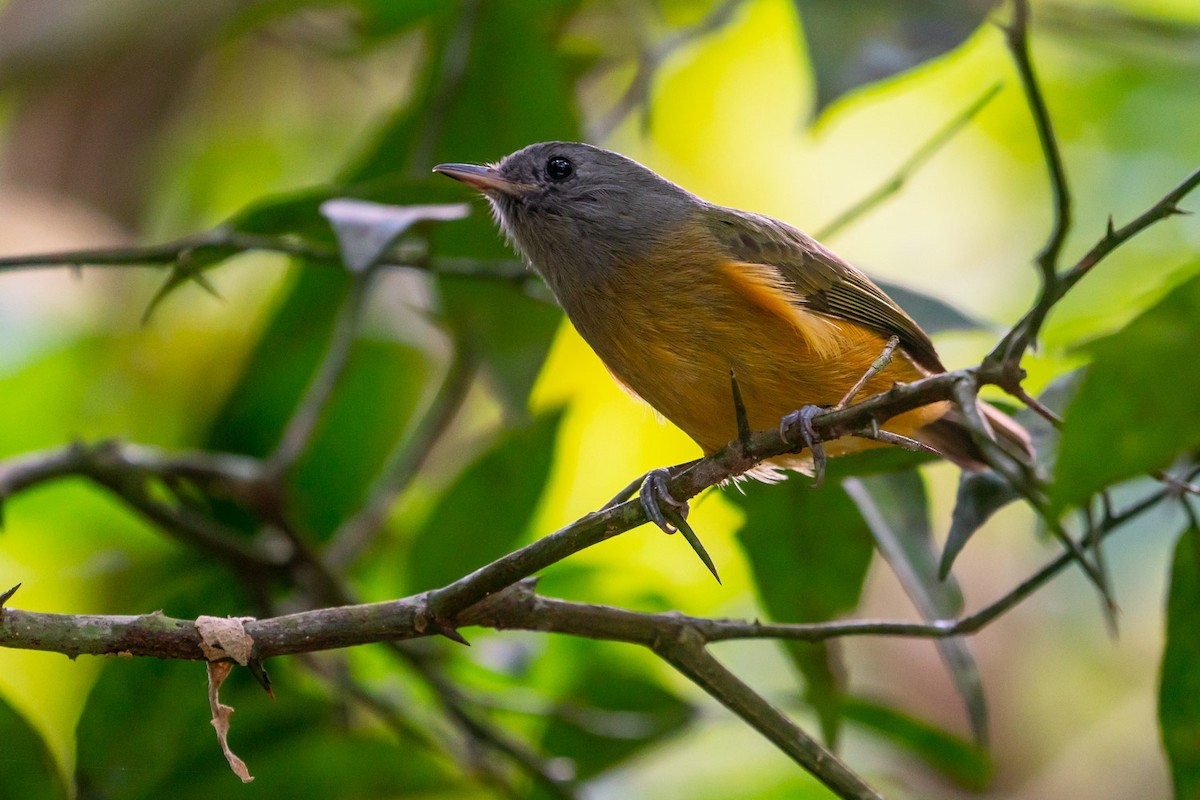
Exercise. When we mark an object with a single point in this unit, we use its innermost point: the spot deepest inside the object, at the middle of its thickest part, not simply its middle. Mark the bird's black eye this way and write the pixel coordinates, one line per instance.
(559, 168)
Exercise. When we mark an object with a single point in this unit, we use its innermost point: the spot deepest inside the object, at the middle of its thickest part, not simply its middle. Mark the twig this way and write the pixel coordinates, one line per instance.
(1013, 345)
(905, 171)
(124, 469)
(455, 705)
(231, 242)
(638, 91)
(355, 535)
(896, 440)
(1041, 409)
(168, 253)
(1017, 37)
(1021, 478)
(303, 423)
(1017, 340)
(678, 638)
(686, 653)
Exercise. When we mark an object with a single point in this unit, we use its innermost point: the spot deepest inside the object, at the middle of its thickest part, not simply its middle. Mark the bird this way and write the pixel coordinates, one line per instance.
(676, 294)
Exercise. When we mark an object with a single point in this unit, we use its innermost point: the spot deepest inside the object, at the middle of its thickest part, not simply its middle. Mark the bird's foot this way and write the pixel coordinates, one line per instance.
(654, 495)
(804, 418)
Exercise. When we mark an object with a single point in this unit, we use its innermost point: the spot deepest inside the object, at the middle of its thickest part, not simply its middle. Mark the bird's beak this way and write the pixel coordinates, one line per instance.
(485, 179)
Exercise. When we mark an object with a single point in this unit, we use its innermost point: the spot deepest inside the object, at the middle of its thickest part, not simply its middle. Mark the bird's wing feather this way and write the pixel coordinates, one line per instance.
(821, 281)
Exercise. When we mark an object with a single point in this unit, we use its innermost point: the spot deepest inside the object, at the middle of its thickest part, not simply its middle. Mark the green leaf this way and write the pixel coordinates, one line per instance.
(294, 747)
(365, 419)
(384, 19)
(27, 769)
(852, 44)
(959, 760)
(485, 512)
(809, 551)
(611, 710)
(519, 94)
(1179, 688)
(933, 314)
(982, 494)
(895, 508)
(509, 330)
(461, 94)
(281, 365)
(1136, 408)
(366, 415)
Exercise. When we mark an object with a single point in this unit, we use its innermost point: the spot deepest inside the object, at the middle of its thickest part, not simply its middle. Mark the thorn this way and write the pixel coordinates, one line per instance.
(5, 597)
(1111, 231)
(739, 409)
(260, 674)
(809, 436)
(448, 631)
(168, 286)
(1174, 210)
(625, 493)
(204, 283)
(694, 540)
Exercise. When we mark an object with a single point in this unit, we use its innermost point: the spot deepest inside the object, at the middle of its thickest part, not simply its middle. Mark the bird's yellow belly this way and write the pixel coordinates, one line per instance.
(676, 346)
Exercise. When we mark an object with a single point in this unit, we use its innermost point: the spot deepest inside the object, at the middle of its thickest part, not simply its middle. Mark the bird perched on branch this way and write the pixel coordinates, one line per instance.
(673, 293)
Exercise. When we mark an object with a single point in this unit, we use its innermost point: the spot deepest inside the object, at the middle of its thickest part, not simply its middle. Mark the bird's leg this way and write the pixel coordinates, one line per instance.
(878, 366)
(809, 436)
(805, 415)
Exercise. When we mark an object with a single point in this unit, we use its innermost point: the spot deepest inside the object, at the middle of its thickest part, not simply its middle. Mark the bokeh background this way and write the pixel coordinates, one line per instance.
(133, 121)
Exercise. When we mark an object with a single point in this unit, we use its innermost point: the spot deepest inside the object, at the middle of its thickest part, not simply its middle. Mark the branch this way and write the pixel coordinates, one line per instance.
(514, 607)
(125, 469)
(1055, 285)
(677, 638)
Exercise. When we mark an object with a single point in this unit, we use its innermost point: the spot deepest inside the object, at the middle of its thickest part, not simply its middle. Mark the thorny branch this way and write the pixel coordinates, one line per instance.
(501, 594)
(517, 606)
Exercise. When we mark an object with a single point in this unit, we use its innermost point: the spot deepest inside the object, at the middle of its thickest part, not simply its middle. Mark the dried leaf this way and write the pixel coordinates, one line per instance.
(218, 671)
(225, 637)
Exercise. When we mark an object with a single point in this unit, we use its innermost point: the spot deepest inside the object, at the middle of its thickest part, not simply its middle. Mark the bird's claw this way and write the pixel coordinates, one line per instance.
(804, 418)
(654, 493)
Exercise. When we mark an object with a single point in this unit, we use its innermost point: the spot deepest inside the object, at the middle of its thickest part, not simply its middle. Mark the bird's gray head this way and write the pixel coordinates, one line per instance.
(575, 211)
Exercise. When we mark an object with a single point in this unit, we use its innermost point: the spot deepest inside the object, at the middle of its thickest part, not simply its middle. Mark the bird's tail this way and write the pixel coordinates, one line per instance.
(950, 436)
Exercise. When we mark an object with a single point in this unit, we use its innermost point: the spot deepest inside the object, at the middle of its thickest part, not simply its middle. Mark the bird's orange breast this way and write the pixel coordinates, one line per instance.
(671, 326)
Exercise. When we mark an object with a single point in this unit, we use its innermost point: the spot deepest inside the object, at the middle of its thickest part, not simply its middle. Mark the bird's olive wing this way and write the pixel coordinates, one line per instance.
(824, 282)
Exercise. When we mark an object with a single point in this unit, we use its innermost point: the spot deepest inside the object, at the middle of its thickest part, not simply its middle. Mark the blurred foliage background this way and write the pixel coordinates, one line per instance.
(126, 121)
